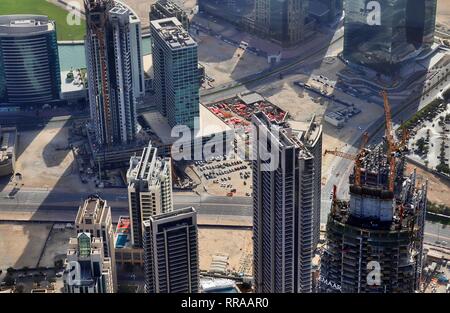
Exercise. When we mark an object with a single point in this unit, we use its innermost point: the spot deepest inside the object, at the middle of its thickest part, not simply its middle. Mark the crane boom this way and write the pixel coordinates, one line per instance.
(357, 158)
(341, 154)
(392, 147)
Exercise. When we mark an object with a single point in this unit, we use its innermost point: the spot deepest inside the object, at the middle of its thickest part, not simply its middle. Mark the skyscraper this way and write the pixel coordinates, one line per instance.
(115, 70)
(149, 189)
(282, 20)
(87, 269)
(286, 205)
(171, 252)
(94, 217)
(335, 8)
(233, 11)
(175, 63)
(167, 8)
(405, 28)
(374, 241)
(29, 61)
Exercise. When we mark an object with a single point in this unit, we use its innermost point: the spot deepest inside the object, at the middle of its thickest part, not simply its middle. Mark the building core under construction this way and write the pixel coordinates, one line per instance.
(374, 240)
(115, 70)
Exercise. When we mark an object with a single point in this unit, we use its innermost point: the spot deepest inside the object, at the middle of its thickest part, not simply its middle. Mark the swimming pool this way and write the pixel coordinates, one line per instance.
(73, 56)
(121, 240)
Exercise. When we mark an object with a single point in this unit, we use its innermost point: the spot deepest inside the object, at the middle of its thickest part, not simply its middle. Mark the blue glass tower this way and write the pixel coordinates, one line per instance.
(406, 28)
(175, 63)
(29, 61)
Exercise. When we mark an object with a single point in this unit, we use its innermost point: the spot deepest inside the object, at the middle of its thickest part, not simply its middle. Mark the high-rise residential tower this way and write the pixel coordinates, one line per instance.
(94, 217)
(87, 269)
(115, 70)
(176, 73)
(383, 40)
(149, 189)
(171, 252)
(286, 205)
(284, 21)
(335, 8)
(29, 61)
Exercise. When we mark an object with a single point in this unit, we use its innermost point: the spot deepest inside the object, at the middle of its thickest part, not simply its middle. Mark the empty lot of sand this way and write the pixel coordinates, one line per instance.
(21, 244)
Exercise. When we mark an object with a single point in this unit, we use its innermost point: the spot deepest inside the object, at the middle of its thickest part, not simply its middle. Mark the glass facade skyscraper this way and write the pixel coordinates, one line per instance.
(29, 62)
(233, 11)
(405, 29)
(283, 21)
(175, 63)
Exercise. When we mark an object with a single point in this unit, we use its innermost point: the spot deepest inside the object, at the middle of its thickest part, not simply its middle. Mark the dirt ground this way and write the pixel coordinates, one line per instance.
(238, 247)
(300, 105)
(56, 246)
(443, 12)
(22, 244)
(438, 189)
(42, 164)
(224, 62)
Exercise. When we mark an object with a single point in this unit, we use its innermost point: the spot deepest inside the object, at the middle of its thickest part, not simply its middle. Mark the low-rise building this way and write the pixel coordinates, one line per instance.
(125, 252)
(8, 139)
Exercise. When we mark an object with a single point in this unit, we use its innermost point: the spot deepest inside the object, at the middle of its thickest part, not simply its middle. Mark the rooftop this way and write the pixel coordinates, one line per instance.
(122, 238)
(72, 80)
(174, 213)
(209, 125)
(173, 33)
(218, 285)
(236, 112)
(25, 25)
(148, 167)
(8, 137)
(92, 208)
(290, 137)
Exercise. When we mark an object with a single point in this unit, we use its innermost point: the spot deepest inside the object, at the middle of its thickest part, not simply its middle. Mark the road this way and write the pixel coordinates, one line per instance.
(265, 77)
(32, 200)
(66, 204)
(63, 206)
(340, 169)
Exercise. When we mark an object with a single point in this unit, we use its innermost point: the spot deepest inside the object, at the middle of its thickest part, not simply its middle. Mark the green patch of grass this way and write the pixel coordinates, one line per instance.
(42, 7)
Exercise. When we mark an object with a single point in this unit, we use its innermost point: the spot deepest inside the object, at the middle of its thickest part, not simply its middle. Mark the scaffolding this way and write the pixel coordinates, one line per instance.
(383, 221)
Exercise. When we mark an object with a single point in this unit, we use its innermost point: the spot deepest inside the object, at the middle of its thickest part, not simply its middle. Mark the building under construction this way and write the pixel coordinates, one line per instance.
(115, 70)
(374, 241)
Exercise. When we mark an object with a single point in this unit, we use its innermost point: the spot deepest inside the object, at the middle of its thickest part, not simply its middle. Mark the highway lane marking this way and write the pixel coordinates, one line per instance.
(437, 236)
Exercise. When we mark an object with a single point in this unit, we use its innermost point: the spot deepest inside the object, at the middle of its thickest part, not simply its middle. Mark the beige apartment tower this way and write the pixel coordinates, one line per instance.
(94, 217)
(88, 270)
(149, 189)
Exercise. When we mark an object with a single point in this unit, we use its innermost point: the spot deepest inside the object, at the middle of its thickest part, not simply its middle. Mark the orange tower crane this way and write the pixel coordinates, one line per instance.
(390, 139)
(358, 158)
(392, 146)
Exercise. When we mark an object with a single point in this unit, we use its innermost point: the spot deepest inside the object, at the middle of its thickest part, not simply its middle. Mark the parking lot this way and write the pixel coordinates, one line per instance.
(225, 176)
(429, 141)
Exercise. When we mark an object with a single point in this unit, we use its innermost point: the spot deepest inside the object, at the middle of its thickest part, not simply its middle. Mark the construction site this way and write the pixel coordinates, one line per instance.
(374, 240)
(237, 112)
